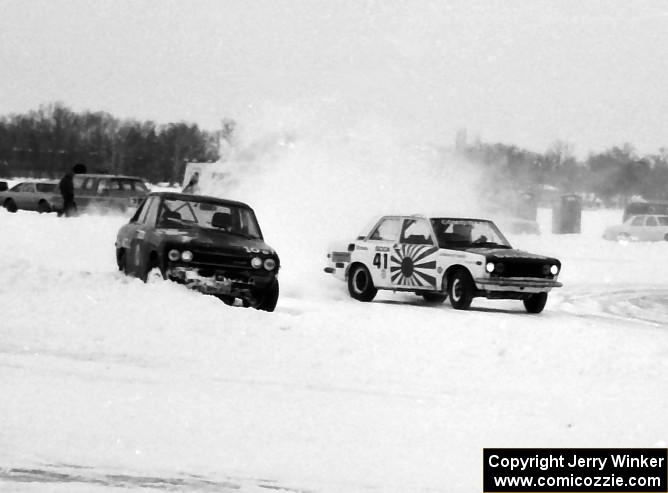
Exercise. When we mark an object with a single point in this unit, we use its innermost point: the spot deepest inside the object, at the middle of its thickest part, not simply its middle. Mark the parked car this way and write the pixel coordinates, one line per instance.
(105, 193)
(644, 227)
(40, 196)
(517, 225)
(437, 257)
(642, 208)
(212, 245)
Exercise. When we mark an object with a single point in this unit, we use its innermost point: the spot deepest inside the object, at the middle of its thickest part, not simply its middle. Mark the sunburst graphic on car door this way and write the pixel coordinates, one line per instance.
(412, 265)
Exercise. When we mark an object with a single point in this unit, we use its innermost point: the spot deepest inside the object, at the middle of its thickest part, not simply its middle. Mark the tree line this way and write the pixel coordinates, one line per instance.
(47, 142)
(614, 175)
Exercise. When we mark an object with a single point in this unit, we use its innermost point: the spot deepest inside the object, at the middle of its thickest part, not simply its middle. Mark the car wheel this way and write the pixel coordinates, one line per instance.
(43, 207)
(269, 298)
(360, 284)
(228, 300)
(10, 205)
(460, 290)
(150, 270)
(535, 303)
(120, 260)
(434, 298)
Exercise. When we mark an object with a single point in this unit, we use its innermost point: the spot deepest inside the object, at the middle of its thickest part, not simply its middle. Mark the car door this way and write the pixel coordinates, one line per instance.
(636, 226)
(85, 195)
(25, 197)
(413, 259)
(663, 227)
(651, 231)
(138, 233)
(379, 249)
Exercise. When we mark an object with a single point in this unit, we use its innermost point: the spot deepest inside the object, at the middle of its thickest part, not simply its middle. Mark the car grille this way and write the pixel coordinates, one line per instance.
(220, 259)
(523, 269)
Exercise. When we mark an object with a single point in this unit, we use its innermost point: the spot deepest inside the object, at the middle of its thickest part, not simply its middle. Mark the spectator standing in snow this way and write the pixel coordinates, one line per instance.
(66, 186)
(192, 186)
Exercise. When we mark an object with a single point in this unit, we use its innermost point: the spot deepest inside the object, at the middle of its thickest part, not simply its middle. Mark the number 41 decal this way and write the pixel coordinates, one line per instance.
(380, 258)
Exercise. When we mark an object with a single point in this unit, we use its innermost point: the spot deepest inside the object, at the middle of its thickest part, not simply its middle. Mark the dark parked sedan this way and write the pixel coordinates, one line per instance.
(212, 245)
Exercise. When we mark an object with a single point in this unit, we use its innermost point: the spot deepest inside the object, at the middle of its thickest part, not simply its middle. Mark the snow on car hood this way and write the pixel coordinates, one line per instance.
(508, 253)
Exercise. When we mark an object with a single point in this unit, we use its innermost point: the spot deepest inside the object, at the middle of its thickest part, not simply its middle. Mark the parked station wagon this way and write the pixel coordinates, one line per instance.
(437, 257)
(108, 192)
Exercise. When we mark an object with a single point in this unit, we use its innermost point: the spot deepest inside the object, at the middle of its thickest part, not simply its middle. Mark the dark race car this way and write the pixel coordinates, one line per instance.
(212, 245)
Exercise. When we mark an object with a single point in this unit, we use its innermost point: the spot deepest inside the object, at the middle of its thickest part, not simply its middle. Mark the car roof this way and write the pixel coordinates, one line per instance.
(197, 198)
(435, 216)
(48, 182)
(103, 175)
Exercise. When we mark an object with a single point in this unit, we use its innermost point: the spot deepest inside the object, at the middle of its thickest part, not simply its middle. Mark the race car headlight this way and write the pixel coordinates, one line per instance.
(187, 256)
(489, 267)
(174, 255)
(554, 270)
(256, 262)
(270, 264)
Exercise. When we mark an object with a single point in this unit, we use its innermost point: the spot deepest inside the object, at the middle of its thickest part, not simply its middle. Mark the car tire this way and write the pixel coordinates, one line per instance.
(434, 298)
(10, 205)
(269, 298)
(120, 260)
(461, 289)
(150, 270)
(535, 303)
(43, 207)
(360, 284)
(228, 300)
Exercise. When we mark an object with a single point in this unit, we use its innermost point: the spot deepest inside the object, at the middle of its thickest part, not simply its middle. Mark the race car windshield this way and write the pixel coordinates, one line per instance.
(467, 233)
(228, 218)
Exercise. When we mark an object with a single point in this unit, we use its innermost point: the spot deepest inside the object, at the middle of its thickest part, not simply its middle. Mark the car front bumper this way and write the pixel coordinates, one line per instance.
(516, 284)
(219, 282)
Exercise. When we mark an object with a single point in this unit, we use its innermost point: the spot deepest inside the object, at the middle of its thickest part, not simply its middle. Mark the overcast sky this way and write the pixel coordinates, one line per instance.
(592, 73)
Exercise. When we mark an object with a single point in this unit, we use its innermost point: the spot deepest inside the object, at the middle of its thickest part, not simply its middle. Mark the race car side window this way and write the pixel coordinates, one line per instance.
(387, 230)
(416, 232)
(152, 213)
(143, 210)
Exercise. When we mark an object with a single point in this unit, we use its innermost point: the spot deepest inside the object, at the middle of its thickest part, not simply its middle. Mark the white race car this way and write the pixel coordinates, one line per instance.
(437, 257)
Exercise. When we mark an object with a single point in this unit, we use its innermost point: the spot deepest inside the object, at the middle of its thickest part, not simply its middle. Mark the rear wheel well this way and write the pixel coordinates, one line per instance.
(120, 258)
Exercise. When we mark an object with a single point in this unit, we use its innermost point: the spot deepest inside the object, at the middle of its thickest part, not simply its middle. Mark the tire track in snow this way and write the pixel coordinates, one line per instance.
(87, 476)
(644, 305)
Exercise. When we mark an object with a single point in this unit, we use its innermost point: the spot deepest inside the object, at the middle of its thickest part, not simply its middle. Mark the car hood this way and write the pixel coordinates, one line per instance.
(211, 238)
(510, 254)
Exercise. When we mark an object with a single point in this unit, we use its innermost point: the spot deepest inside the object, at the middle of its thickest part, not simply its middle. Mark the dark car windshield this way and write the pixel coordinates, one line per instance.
(467, 233)
(230, 218)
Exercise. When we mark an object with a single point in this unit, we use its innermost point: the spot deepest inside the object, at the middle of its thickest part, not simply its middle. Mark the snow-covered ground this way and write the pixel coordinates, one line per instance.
(110, 384)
